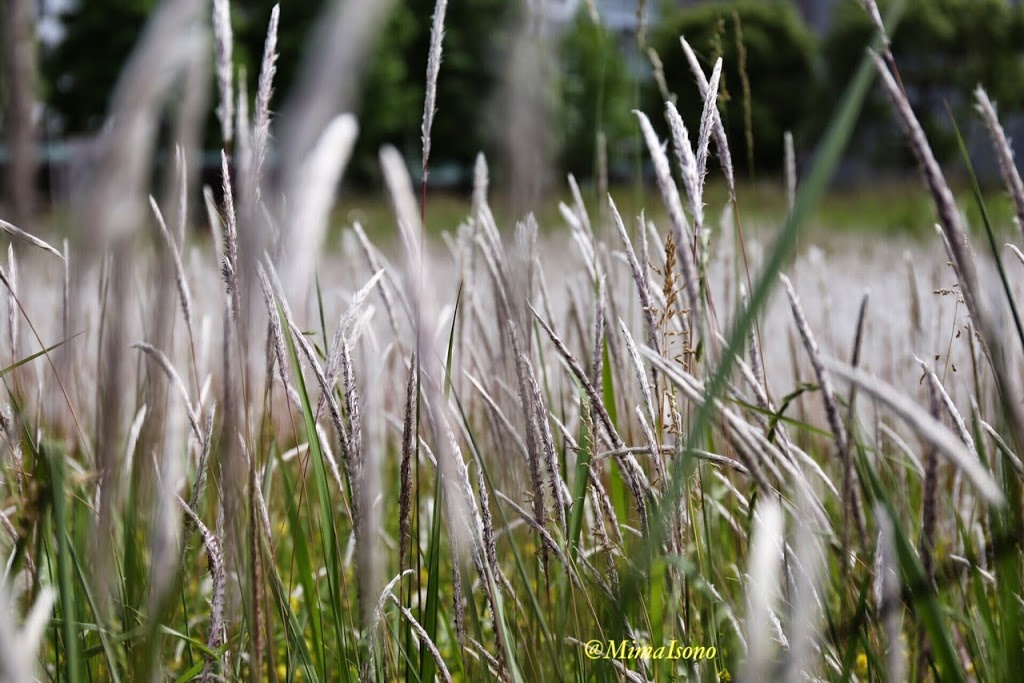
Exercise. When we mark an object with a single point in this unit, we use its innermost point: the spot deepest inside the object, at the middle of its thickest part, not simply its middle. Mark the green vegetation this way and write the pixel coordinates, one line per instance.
(522, 455)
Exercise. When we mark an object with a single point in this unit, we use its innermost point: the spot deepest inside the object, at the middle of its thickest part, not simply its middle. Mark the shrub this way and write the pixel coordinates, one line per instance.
(777, 59)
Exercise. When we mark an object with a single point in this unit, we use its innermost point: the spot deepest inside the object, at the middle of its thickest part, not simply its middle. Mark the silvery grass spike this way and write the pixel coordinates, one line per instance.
(707, 119)
(670, 195)
(1004, 152)
(763, 582)
(19, 234)
(218, 573)
(310, 198)
(930, 429)
(639, 277)
(687, 163)
(21, 644)
(433, 70)
(721, 140)
(261, 117)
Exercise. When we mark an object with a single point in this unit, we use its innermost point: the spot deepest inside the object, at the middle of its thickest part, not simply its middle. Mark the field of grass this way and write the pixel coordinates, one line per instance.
(693, 433)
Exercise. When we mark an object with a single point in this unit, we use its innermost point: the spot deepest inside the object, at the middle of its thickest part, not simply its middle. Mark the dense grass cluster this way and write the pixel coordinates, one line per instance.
(500, 458)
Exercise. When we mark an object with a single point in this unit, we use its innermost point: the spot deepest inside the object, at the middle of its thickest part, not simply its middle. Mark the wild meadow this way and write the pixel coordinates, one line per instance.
(668, 445)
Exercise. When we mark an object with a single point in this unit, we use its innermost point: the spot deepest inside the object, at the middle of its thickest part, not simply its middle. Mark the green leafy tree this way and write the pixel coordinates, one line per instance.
(595, 89)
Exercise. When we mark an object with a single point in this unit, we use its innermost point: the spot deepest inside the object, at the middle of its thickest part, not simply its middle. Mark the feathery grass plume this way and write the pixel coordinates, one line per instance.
(707, 119)
(680, 228)
(349, 459)
(111, 200)
(851, 504)
(547, 447)
(230, 256)
(405, 469)
(218, 573)
(925, 425)
(243, 124)
(223, 46)
(532, 435)
(721, 140)
(887, 581)
(1004, 152)
(433, 70)
(310, 199)
(639, 278)
(199, 485)
(790, 156)
(261, 117)
(736, 430)
(693, 183)
(278, 348)
(599, 334)
(764, 575)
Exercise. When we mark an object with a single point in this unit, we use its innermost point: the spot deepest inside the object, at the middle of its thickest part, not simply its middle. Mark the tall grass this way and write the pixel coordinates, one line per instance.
(516, 453)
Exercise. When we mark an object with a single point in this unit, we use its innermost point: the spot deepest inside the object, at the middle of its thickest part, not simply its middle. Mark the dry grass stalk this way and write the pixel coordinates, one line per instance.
(947, 444)
(17, 233)
(631, 470)
(851, 503)
(639, 278)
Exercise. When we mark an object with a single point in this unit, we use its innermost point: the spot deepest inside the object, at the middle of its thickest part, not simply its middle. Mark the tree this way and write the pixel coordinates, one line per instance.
(594, 96)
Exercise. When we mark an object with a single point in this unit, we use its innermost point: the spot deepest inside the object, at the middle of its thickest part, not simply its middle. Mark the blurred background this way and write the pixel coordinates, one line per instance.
(565, 109)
